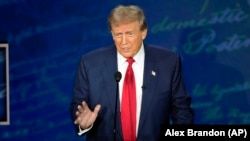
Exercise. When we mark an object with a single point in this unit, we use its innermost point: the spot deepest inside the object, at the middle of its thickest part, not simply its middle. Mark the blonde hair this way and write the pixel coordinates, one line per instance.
(126, 14)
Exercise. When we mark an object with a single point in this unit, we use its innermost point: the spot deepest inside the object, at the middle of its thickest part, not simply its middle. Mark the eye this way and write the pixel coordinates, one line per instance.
(117, 35)
(130, 34)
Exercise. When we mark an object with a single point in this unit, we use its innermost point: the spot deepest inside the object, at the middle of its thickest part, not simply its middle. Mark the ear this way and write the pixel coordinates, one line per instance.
(112, 34)
(144, 33)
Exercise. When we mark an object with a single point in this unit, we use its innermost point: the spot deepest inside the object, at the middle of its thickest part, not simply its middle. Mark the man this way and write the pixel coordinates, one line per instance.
(159, 91)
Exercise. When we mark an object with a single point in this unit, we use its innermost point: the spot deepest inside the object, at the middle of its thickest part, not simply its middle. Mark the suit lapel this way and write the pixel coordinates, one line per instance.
(110, 85)
(149, 82)
(108, 72)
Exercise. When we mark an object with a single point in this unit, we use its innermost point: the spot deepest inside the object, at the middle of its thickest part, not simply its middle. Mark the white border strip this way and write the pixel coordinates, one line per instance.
(6, 46)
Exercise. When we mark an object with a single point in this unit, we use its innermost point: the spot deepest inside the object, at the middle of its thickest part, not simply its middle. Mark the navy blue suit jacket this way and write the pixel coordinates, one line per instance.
(164, 95)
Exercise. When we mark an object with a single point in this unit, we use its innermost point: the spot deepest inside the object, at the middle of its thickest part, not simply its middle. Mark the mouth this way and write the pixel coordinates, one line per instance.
(125, 49)
(126, 52)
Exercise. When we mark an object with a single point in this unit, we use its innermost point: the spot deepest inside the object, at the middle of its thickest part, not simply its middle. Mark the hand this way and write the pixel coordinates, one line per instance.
(86, 117)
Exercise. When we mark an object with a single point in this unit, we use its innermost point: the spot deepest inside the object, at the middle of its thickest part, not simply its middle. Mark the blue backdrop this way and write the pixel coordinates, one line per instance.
(46, 39)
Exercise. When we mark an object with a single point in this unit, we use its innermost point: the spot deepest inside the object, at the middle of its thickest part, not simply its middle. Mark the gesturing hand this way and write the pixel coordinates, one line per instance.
(86, 117)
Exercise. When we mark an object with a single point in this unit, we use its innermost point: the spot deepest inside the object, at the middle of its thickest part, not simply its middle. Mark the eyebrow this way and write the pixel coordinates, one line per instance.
(122, 32)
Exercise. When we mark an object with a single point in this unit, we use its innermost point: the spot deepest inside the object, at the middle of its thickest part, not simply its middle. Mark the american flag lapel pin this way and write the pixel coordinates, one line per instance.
(153, 73)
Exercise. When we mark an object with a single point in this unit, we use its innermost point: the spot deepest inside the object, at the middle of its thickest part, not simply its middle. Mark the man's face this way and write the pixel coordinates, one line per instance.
(128, 38)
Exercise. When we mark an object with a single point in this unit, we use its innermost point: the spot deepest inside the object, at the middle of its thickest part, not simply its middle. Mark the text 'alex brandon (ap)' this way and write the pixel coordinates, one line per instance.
(222, 132)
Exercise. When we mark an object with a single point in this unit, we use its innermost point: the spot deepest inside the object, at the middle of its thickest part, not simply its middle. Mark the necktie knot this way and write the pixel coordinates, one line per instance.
(130, 61)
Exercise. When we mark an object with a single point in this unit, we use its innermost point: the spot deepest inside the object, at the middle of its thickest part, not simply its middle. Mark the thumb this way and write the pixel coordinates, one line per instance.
(97, 108)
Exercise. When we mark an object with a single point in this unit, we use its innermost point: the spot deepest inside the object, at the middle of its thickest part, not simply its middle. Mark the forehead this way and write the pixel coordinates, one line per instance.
(132, 26)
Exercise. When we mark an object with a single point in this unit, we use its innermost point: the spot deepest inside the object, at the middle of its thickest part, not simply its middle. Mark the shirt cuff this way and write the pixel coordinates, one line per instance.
(82, 131)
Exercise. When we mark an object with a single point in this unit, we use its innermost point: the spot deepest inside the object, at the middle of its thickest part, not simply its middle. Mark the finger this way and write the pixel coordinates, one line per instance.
(94, 114)
(80, 108)
(78, 120)
(84, 105)
(78, 114)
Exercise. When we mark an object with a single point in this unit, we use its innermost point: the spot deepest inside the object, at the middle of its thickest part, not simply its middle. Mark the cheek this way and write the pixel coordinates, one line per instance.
(136, 42)
(117, 41)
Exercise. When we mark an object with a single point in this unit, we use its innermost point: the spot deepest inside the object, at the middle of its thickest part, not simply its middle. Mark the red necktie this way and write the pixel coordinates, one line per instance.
(128, 104)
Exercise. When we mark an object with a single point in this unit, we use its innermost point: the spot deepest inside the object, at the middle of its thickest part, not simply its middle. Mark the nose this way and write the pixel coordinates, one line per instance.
(124, 39)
